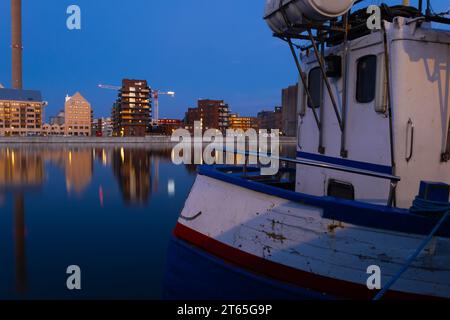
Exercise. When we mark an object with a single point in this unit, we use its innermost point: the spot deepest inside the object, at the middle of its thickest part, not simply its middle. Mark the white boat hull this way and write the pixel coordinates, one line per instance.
(296, 244)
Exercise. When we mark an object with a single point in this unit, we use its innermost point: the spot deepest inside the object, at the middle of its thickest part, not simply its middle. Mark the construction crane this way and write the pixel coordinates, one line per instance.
(155, 93)
(105, 86)
(155, 97)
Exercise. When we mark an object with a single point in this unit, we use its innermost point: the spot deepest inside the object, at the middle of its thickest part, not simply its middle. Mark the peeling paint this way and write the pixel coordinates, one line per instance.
(267, 251)
(276, 237)
(333, 226)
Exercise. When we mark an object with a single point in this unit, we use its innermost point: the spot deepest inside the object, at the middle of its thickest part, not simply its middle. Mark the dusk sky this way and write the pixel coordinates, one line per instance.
(198, 48)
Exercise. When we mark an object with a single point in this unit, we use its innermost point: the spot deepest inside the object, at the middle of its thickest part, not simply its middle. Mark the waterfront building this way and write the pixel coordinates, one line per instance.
(78, 115)
(20, 112)
(289, 110)
(213, 114)
(131, 113)
(107, 127)
(243, 123)
(192, 115)
(96, 128)
(271, 120)
(102, 127)
(168, 126)
(59, 119)
(53, 129)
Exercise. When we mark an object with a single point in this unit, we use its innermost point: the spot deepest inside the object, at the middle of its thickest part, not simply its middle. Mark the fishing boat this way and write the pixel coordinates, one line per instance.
(368, 192)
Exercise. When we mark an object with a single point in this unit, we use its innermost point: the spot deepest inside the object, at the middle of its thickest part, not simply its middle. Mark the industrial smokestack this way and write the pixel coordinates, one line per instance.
(16, 19)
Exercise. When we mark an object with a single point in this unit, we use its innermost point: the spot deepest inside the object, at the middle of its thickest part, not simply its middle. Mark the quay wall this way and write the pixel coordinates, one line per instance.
(149, 140)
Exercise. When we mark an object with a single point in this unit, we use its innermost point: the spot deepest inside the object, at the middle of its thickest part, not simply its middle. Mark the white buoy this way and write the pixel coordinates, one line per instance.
(296, 10)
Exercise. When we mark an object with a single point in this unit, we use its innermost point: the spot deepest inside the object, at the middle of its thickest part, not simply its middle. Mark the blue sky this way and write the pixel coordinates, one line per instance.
(198, 48)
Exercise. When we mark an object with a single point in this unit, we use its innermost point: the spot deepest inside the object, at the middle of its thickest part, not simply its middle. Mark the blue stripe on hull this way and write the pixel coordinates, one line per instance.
(352, 212)
(192, 274)
(346, 162)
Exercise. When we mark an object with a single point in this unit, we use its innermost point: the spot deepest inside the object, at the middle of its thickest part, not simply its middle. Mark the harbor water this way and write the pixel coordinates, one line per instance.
(108, 210)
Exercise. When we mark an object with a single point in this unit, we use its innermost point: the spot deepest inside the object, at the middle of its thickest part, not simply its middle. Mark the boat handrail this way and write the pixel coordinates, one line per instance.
(324, 165)
(394, 180)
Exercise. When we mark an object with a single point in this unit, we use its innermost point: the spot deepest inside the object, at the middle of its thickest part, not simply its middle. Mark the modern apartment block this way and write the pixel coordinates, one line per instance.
(107, 127)
(78, 116)
(289, 113)
(96, 127)
(212, 114)
(131, 114)
(243, 123)
(102, 127)
(192, 115)
(271, 120)
(168, 126)
(20, 112)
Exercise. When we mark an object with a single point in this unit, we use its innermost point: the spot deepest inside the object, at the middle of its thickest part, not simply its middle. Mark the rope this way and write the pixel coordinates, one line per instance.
(419, 206)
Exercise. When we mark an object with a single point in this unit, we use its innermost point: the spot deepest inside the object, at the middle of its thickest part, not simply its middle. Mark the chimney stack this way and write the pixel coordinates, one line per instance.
(16, 19)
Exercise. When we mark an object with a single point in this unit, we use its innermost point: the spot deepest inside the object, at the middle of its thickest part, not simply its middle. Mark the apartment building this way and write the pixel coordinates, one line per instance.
(78, 116)
(243, 123)
(131, 113)
(212, 114)
(20, 112)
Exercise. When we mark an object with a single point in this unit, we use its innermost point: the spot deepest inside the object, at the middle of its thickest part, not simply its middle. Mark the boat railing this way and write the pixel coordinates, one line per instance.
(394, 180)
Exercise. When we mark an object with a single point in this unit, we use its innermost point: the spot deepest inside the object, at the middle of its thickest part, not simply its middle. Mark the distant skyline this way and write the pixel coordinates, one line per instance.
(198, 48)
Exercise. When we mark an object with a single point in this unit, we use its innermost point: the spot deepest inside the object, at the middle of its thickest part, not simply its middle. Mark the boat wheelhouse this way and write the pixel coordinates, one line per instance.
(372, 172)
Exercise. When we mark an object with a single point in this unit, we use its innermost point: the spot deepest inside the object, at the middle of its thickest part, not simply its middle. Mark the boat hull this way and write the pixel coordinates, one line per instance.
(294, 244)
(194, 274)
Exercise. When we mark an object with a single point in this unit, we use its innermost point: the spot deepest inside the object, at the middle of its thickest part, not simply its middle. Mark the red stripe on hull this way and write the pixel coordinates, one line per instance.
(329, 286)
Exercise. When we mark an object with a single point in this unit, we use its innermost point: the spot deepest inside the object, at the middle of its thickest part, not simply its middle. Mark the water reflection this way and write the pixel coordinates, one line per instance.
(28, 171)
(66, 201)
(136, 169)
(132, 170)
(77, 164)
(19, 241)
(21, 171)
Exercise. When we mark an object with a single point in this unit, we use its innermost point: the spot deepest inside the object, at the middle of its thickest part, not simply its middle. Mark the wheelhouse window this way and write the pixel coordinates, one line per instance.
(366, 79)
(339, 189)
(315, 87)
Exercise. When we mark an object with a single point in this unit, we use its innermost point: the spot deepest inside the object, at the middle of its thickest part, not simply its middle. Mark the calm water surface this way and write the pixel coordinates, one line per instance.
(109, 210)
